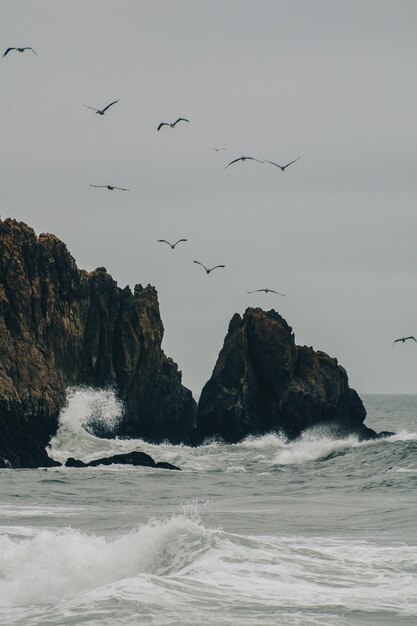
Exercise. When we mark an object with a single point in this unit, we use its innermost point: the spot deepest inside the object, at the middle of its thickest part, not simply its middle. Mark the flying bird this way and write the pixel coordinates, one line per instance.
(19, 50)
(171, 244)
(218, 149)
(208, 270)
(243, 158)
(283, 167)
(266, 290)
(180, 119)
(103, 110)
(404, 339)
(110, 187)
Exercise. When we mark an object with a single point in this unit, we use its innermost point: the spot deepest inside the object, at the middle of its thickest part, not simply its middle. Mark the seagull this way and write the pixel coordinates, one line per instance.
(19, 50)
(404, 339)
(218, 149)
(110, 187)
(208, 270)
(266, 290)
(283, 167)
(171, 244)
(243, 158)
(103, 110)
(180, 119)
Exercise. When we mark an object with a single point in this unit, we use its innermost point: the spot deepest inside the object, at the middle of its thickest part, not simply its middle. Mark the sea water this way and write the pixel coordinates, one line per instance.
(317, 531)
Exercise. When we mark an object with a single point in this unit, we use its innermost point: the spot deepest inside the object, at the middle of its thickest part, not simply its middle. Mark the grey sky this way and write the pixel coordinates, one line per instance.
(332, 81)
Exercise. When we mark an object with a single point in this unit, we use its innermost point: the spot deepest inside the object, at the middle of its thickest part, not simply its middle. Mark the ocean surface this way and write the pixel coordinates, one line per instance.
(265, 532)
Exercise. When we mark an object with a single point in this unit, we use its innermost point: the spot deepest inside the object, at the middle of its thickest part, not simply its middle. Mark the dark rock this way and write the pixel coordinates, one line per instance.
(61, 326)
(165, 465)
(263, 382)
(71, 462)
(131, 458)
(139, 459)
(385, 433)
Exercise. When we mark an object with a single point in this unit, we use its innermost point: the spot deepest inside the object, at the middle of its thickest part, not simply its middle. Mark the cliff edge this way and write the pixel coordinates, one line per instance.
(61, 326)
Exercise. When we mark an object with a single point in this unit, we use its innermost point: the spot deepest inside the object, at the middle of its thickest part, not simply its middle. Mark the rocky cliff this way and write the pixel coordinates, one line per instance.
(62, 326)
(263, 382)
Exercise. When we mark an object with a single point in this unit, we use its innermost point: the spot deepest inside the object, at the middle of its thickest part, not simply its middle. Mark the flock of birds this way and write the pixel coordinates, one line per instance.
(208, 270)
(242, 159)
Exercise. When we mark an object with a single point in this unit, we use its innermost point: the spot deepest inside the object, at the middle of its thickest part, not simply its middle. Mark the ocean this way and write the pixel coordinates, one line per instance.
(265, 532)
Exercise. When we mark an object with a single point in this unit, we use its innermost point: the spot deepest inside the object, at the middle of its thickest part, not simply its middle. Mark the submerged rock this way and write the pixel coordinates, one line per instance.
(140, 459)
(131, 458)
(263, 382)
(71, 462)
(61, 326)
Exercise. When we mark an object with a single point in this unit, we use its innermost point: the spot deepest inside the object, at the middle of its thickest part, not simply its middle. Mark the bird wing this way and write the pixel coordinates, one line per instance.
(29, 48)
(88, 107)
(231, 162)
(277, 292)
(411, 337)
(164, 241)
(180, 119)
(108, 106)
(98, 186)
(121, 188)
(291, 162)
(8, 50)
(276, 164)
(162, 124)
(179, 241)
(216, 266)
(253, 159)
(395, 341)
(256, 290)
(198, 262)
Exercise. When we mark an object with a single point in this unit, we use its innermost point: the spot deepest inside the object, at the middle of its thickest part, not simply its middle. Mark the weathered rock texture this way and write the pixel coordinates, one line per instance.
(62, 326)
(263, 382)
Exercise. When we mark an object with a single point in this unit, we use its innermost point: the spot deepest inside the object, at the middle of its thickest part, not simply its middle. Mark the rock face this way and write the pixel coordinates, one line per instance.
(61, 326)
(263, 382)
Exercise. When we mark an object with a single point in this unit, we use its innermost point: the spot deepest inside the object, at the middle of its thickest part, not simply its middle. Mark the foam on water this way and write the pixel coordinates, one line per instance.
(179, 561)
(86, 406)
(60, 564)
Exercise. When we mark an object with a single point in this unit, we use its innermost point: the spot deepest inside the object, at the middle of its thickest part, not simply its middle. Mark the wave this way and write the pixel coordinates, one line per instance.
(56, 564)
(167, 564)
(86, 406)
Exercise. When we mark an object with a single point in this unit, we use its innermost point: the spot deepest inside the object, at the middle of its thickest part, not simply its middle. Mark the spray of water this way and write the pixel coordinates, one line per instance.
(87, 410)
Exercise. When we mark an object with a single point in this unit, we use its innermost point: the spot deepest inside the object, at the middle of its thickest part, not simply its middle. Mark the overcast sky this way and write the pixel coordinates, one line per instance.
(334, 82)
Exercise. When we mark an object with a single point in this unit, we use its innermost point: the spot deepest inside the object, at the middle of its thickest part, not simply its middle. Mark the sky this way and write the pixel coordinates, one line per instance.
(332, 81)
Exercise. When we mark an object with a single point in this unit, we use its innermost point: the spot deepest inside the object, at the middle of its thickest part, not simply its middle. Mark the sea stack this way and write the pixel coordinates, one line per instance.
(61, 326)
(264, 382)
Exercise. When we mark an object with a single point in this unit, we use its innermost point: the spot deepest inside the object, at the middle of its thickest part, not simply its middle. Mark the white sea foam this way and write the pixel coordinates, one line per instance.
(164, 565)
(60, 564)
(312, 445)
(319, 443)
(84, 406)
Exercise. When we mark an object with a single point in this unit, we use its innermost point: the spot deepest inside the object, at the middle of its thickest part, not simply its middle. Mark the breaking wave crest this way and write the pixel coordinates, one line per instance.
(179, 560)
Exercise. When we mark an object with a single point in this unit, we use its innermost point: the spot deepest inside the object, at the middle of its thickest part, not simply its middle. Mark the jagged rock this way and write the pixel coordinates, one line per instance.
(61, 326)
(263, 382)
